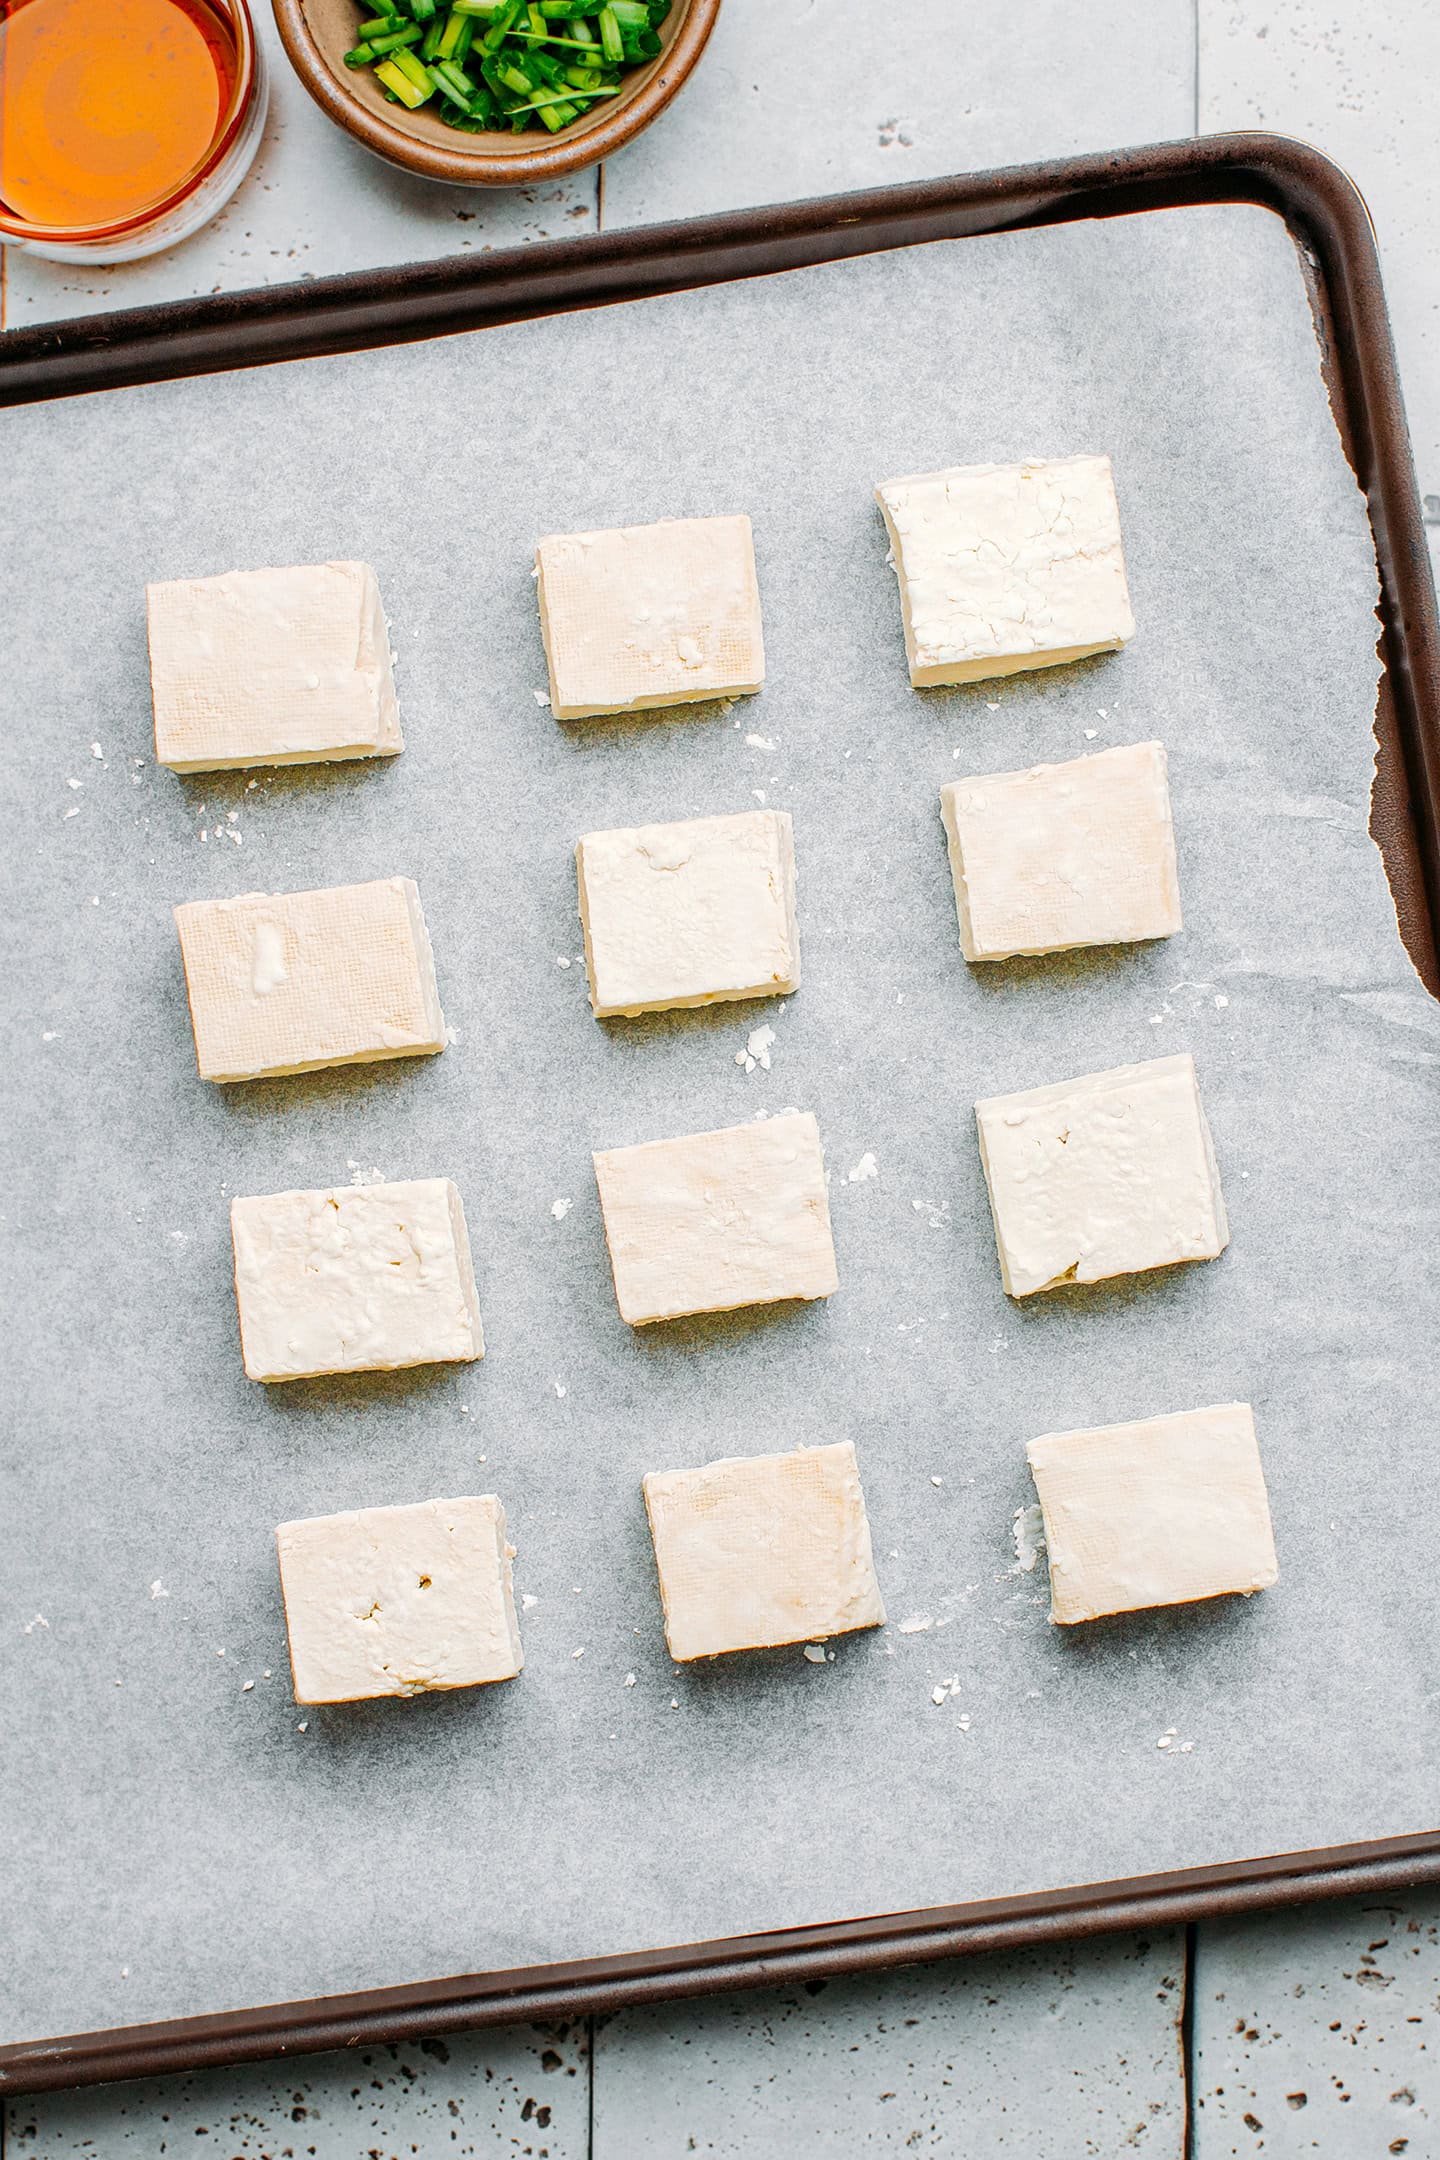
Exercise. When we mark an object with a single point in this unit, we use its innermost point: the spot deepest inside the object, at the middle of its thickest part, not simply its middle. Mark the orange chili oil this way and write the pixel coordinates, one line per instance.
(107, 106)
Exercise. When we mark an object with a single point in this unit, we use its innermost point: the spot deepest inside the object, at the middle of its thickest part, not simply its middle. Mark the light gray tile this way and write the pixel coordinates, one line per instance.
(806, 97)
(1059, 2053)
(313, 203)
(521, 2091)
(1316, 2032)
(1358, 80)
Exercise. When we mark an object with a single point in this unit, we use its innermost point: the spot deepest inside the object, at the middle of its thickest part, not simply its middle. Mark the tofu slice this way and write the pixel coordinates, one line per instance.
(1161, 1512)
(650, 615)
(718, 1220)
(1007, 567)
(362, 1278)
(1064, 855)
(760, 1550)
(290, 982)
(271, 667)
(1107, 1174)
(399, 1600)
(689, 914)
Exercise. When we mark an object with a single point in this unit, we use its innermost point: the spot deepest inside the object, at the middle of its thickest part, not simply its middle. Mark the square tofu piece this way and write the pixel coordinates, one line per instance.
(271, 667)
(762, 1549)
(650, 615)
(718, 1220)
(399, 1600)
(1005, 567)
(689, 914)
(1157, 1513)
(366, 1278)
(1064, 855)
(287, 982)
(1105, 1175)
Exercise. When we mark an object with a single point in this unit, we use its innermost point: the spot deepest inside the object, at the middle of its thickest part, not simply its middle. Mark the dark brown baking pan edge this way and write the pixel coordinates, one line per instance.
(1332, 227)
(545, 1993)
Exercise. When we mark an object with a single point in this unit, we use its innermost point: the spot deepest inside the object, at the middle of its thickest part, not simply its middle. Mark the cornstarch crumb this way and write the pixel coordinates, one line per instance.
(814, 1652)
(560, 1209)
(866, 1168)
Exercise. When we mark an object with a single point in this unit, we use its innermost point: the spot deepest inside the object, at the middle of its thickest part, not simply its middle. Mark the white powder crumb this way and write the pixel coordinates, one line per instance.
(1028, 1531)
(38, 1621)
(560, 1209)
(158, 1589)
(1156, 1019)
(49, 1034)
(528, 1601)
(233, 816)
(541, 697)
(991, 708)
(1221, 1003)
(866, 1168)
(245, 1686)
(96, 751)
(1101, 713)
(814, 1653)
(674, 1703)
(916, 1624)
(578, 1653)
(759, 742)
(937, 1481)
(561, 961)
(266, 1674)
(452, 1034)
(219, 1653)
(73, 811)
(303, 1726)
(372, 1176)
(1185, 1746)
(1166, 1737)
(559, 1388)
(933, 1210)
(757, 1046)
(1091, 733)
(759, 794)
(937, 1695)
(963, 1723)
(95, 899)
(74, 783)
(250, 785)
(629, 1679)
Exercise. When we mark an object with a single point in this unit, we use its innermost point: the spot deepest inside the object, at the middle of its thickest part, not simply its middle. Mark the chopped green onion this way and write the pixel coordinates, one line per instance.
(538, 61)
(401, 86)
(455, 37)
(411, 68)
(448, 71)
(544, 104)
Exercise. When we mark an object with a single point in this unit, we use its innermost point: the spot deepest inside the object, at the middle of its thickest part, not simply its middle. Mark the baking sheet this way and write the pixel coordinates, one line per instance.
(175, 1843)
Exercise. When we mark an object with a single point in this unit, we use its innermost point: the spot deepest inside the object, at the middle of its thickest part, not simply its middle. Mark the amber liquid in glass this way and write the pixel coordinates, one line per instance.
(107, 106)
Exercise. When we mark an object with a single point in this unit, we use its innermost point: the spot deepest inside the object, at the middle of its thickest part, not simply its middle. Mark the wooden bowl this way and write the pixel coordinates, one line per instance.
(318, 33)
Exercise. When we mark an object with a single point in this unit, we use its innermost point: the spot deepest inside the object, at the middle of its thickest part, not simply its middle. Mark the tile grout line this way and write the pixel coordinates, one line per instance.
(590, 2089)
(1187, 2040)
(1196, 6)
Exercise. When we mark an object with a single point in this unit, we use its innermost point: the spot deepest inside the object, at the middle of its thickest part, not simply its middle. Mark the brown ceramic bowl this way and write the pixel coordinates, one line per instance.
(318, 33)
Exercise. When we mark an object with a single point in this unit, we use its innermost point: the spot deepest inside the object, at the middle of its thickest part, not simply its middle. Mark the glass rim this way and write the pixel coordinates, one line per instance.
(238, 13)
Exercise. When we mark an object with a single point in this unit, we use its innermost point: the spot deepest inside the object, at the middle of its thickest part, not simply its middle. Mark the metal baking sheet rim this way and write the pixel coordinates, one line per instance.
(1330, 221)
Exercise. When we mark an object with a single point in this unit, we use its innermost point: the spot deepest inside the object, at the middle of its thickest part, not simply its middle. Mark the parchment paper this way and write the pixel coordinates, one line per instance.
(176, 1843)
